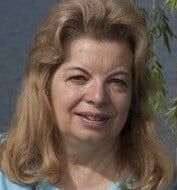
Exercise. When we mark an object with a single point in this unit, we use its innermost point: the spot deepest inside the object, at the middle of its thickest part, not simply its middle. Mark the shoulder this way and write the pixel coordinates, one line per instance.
(2, 137)
(6, 184)
(173, 185)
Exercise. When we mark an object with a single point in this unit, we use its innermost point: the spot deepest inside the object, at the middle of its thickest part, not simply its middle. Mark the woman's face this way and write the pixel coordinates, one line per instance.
(91, 91)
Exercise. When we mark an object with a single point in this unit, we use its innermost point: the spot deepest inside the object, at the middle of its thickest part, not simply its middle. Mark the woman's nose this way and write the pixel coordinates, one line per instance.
(97, 94)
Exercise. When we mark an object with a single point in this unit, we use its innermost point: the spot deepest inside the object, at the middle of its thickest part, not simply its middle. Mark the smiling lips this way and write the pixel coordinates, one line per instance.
(93, 120)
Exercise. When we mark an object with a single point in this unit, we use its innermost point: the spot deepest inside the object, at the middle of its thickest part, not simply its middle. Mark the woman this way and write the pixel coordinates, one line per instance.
(83, 118)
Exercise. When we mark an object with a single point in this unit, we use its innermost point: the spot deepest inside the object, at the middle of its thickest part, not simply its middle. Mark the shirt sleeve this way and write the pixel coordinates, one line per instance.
(173, 186)
(6, 184)
(2, 137)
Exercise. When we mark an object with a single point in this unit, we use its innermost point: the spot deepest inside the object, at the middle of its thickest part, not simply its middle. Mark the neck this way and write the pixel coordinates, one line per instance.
(89, 158)
(96, 162)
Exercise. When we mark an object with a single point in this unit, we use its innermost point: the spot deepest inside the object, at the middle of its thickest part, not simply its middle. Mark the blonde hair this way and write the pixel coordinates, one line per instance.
(33, 148)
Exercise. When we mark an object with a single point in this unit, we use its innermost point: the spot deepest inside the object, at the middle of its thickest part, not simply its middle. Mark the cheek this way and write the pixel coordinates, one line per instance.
(63, 102)
(122, 103)
(64, 98)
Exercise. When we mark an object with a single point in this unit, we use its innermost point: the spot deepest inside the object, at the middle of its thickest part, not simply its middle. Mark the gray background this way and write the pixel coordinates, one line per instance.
(19, 20)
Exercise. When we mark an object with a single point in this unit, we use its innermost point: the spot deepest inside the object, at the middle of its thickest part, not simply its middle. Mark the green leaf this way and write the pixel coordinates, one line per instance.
(172, 4)
(172, 114)
(166, 40)
(170, 32)
(158, 96)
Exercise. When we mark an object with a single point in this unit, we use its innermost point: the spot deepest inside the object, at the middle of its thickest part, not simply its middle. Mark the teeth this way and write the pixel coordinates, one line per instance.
(94, 118)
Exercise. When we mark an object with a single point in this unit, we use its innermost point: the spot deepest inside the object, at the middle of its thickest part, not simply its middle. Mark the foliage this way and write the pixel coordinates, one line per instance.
(160, 29)
(172, 4)
(158, 97)
(172, 113)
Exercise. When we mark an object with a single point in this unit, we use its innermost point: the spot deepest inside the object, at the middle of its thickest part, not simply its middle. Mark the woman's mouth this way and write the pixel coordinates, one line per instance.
(93, 120)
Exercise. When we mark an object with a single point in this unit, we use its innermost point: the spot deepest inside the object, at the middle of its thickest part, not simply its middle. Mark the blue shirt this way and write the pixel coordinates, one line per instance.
(6, 184)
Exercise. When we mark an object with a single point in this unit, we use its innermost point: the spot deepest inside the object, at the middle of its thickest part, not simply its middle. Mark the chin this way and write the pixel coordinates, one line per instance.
(91, 137)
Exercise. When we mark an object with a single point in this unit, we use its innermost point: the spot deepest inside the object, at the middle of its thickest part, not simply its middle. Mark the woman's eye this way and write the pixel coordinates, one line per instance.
(118, 82)
(78, 79)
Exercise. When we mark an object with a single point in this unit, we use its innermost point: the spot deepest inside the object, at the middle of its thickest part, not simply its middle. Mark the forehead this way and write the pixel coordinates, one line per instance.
(103, 56)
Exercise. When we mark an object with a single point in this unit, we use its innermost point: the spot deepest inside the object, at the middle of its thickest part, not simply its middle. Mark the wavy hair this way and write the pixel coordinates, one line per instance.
(33, 148)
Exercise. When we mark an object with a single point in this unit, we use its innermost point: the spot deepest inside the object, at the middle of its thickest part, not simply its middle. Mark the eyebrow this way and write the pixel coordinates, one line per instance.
(120, 73)
(77, 68)
(113, 74)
